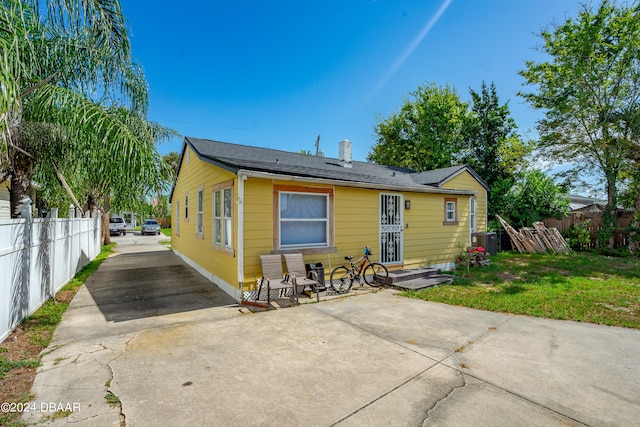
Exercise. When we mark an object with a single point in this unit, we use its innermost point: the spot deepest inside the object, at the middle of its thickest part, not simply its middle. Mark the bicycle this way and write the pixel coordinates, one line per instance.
(373, 273)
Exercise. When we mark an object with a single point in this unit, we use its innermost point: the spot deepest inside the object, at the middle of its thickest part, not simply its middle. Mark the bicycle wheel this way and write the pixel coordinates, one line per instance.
(376, 274)
(341, 279)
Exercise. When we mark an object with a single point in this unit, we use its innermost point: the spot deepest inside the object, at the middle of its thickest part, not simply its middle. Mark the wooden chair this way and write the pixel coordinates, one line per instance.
(299, 276)
(274, 279)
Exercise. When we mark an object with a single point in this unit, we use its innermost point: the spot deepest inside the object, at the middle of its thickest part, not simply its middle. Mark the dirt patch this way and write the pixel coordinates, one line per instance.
(560, 271)
(17, 384)
(65, 296)
(26, 342)
(508, 277)
(615, 308)
(20, 345)
(520, 262)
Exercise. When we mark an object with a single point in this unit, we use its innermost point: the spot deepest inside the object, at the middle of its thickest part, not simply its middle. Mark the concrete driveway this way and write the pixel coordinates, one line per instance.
(149, 332)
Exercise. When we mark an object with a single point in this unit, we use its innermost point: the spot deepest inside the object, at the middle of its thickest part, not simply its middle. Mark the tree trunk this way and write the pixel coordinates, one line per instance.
(65, 185)
(106, 234)
(92, 203)
(613, 210)
(634, 241)
(20, 184)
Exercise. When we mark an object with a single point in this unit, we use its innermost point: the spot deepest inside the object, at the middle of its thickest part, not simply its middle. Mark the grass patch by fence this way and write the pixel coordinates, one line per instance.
(580, 287)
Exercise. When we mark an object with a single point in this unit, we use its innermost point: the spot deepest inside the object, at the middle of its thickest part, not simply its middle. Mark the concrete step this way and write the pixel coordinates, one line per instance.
(398, 276)
(424, 282)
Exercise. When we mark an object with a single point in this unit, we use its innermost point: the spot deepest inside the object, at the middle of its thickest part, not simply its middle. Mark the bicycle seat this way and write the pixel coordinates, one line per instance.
(348, 258)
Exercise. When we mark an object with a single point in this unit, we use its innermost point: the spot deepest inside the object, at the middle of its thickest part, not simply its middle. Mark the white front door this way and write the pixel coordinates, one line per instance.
(391, 241)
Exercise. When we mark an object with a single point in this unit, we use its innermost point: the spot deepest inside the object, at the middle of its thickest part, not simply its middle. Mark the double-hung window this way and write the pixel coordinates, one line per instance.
(450, 211)
(199, 213)
(222, 217)
(303, 219)
(177, 218)
(472, 210)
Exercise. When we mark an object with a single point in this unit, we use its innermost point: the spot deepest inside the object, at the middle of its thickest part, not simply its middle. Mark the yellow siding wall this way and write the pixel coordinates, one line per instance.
(194, 175)
(428, 241)
(466, 181)
(259, 217)
(258, 227)
(356, 225)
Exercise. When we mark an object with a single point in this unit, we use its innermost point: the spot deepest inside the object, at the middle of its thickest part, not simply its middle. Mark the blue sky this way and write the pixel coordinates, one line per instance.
(279, 73)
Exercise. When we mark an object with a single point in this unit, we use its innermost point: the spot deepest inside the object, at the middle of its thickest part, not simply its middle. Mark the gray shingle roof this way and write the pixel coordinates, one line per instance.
(235, 157)
(438, 177)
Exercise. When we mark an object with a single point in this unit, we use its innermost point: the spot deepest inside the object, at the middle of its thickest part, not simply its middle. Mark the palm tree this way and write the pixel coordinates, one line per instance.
(74, 103)
(173, 160)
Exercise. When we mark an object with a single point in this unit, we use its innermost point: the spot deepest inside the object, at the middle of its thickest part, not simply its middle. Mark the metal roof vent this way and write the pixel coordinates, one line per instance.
(344, 153)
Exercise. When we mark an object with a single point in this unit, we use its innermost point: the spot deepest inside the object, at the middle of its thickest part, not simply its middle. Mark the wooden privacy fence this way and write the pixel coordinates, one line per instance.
(620, 237)
(38, 257)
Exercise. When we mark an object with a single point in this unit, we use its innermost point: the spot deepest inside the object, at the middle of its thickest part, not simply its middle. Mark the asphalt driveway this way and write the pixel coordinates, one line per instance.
(150, 333)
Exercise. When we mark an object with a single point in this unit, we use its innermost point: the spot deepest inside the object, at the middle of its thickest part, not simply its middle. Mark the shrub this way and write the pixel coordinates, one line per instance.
(579, 235)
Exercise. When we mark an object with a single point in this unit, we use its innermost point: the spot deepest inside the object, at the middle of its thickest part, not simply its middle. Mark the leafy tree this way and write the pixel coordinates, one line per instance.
(631, 173)
(492, 147)
(159, 205)
(533, 197)
(592, 76)
(490, 136)
(426, 133)
(173, 160)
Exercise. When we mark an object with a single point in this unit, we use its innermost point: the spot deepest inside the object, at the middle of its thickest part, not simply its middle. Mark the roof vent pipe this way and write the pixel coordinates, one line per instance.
(344, 153)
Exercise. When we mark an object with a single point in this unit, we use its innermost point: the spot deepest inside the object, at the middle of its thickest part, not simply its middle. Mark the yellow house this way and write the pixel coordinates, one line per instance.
(232, 203)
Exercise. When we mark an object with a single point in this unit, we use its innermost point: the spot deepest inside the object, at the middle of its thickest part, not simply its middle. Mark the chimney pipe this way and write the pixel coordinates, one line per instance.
(344, 153)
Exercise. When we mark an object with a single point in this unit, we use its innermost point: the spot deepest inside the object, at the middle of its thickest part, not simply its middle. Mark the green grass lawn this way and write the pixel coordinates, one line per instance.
(166, 231)
(581, 287)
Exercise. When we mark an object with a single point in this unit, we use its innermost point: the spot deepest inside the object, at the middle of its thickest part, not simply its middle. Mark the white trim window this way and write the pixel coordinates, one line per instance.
(451, 211)
(450, 214)
(178, 218)
(199, 213)
(222, 217)
(303, 220)
(472, 214)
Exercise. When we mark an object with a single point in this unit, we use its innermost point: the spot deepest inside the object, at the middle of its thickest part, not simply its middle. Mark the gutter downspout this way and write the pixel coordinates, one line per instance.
(486, 219)
(240, 252)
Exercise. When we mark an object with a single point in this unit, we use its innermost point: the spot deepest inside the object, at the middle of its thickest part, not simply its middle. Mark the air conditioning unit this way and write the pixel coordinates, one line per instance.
(487, 240)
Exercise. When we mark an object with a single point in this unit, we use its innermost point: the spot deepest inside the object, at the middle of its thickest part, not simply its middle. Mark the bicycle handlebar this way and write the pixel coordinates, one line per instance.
(366, 252)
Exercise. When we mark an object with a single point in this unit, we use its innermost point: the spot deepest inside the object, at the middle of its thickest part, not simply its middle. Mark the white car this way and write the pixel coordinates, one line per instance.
(150, 226)
(117, 225)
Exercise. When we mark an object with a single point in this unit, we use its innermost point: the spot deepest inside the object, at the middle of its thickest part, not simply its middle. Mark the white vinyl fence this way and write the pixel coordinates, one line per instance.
(37, 258)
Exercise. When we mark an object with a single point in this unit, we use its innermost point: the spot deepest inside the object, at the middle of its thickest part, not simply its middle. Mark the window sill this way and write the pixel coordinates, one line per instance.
(200, 236)
(225, 250)
(306, 251)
